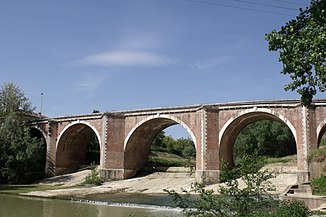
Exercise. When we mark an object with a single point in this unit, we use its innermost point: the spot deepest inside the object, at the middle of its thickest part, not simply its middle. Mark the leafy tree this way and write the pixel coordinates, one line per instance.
(93, 151)
(267, 138)
(13, 100)
(158, 141)
(301, 43)
(21, 155)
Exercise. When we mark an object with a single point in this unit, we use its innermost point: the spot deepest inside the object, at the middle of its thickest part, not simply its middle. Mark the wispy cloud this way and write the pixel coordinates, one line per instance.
(89, 84)
(211, 63)
(126, 58)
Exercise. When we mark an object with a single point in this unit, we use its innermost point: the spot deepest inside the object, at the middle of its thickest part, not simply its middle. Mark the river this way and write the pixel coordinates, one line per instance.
(17, 206)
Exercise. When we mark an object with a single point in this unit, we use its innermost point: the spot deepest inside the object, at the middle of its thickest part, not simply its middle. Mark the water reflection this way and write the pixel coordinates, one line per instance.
(14, 206)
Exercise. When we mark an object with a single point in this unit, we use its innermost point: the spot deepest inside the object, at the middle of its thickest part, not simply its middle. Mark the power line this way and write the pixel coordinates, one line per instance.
(288, 2)
(237, 7)
(266, 5)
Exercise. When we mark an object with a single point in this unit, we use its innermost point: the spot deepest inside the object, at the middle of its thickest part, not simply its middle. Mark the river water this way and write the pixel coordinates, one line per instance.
(17, 206)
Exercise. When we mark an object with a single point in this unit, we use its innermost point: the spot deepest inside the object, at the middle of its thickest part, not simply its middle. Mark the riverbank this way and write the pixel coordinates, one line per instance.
(154, 183)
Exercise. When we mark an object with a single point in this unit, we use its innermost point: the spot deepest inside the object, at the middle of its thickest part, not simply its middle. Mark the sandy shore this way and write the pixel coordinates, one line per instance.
(154, 183)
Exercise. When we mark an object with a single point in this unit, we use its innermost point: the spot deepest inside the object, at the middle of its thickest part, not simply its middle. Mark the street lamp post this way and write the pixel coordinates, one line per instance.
(41, 104)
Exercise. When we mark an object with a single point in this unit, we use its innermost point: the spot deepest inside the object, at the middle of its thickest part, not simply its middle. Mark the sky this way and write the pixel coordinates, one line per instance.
(113, 55)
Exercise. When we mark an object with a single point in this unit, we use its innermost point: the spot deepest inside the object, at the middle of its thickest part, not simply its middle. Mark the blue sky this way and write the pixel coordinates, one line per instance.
(107, 55)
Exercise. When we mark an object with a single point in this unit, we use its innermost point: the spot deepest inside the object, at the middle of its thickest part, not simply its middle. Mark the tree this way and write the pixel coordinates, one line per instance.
(21, 155)
(158, 141)
(267, 138)
(13, 100)
(301, 43)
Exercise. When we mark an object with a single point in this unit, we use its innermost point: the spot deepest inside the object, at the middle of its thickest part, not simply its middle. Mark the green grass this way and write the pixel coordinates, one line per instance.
(165, 162)
(286, 159)
(168, 162)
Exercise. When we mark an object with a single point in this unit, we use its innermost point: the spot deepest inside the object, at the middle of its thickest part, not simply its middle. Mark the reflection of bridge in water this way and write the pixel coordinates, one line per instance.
(125, 136)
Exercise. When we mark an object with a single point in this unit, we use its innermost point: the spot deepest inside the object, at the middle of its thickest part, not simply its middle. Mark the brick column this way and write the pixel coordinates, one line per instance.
(113, 162)
(209, 171)
(305, 143)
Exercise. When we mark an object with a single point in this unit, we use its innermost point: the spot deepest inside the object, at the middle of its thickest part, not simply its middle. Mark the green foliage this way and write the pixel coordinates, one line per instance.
(21, 155)
(292, 208)
(158, 141)
(164, 162)
(319, 186)
(93, 151)
(323, 141)
(235, 201)
(182, 147)
(93, 178)
(249, 201)
(286, 159)
(317, 155)
(267, 138)
(248, 164)
(13, 100)
(301, 43)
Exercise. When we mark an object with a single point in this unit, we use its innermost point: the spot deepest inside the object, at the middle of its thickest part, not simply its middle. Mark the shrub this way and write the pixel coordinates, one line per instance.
(250, 201)
(93, 178)
(292, 208)
(319, 186)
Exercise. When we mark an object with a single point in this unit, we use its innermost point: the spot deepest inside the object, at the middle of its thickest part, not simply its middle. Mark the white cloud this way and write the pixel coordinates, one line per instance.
(211, 63)
(89, 84)
(138, 41)
(126, 58)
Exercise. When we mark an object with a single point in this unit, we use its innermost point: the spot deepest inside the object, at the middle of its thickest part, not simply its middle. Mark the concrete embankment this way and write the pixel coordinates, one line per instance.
(154, 183)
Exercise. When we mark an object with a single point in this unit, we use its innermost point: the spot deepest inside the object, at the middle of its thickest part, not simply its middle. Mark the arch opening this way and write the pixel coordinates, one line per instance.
(77, 147)
(148, 146)
(258, 133)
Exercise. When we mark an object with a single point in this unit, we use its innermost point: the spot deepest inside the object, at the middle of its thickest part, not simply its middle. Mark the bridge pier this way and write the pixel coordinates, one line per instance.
(208, 177)
(112, 174)
(303, 177)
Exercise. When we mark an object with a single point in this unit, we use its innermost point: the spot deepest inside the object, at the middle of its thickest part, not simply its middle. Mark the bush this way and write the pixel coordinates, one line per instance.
(93, 178)
(319, 186)
(291, 208)
(250, 201)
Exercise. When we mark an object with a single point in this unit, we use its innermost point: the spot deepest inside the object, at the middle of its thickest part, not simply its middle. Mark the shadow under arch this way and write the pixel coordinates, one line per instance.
(137, 143)
(234, 126)
(72, 144)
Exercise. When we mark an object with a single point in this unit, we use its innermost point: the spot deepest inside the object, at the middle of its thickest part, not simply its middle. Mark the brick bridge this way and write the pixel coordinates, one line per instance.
(125, 136)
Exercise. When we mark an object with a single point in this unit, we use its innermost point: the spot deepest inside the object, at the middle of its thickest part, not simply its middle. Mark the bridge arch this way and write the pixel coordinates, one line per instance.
(321, 130)
(72, 145)
(139, 139)
(39, 132)
(232, 128)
